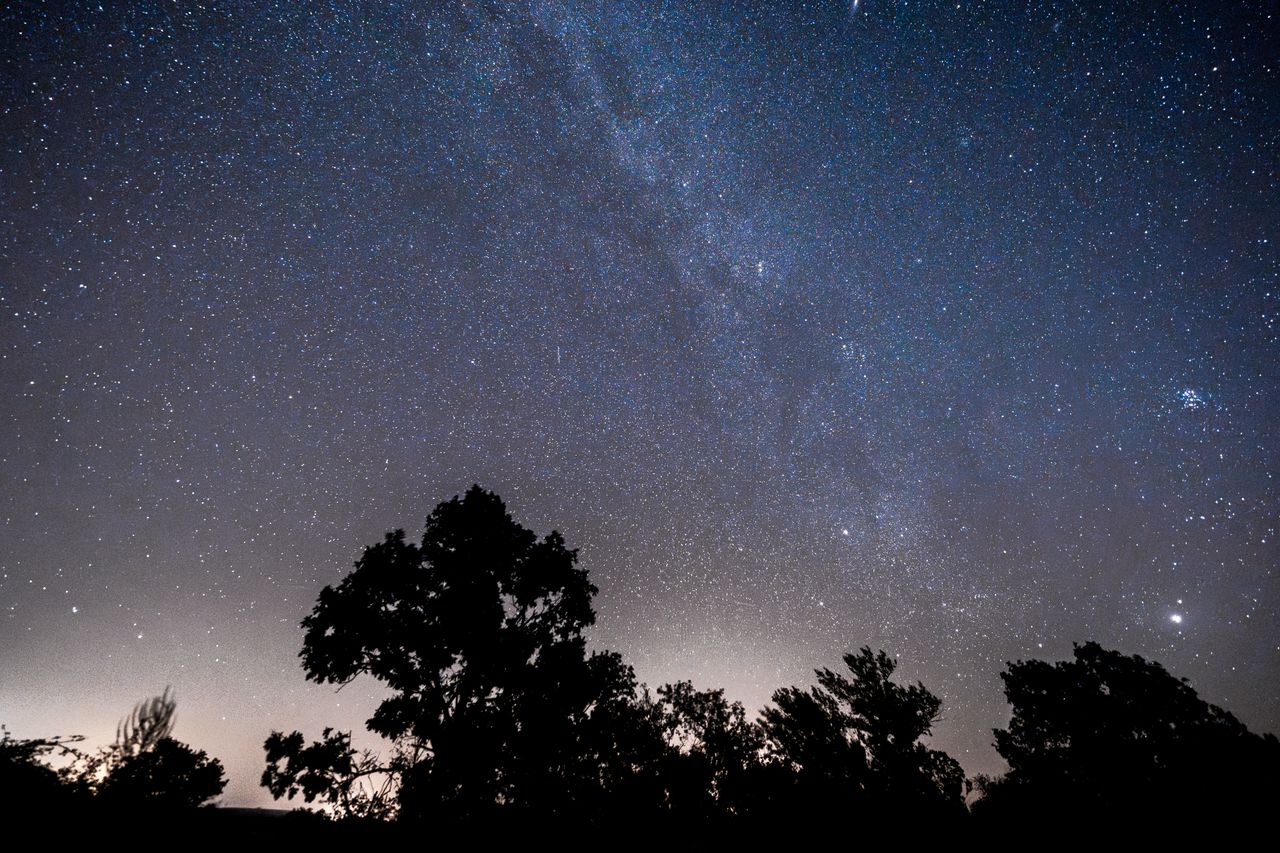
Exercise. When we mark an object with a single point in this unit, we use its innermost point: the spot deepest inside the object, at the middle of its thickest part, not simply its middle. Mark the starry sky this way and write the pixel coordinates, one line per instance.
(946, 328)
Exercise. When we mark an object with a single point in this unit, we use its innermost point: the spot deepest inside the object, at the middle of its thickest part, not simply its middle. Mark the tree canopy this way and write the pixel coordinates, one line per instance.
(1117, 733)
(497, 707)
(478, 632)
(499, 715)
(167, 775)
(855, 740)
(145, 769)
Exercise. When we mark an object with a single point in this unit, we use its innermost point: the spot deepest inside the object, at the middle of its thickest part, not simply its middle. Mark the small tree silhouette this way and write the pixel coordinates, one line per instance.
(854, 741)
(713, 752)
(147, 767)
(168, 775)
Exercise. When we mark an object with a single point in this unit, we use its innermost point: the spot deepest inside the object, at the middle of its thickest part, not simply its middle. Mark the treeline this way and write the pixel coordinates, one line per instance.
(145, 770)
(498, 715)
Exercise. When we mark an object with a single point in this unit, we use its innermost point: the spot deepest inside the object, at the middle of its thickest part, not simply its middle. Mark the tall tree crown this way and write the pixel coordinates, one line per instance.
(447, 622)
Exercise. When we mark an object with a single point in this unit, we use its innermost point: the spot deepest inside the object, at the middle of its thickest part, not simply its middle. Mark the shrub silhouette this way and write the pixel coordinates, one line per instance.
(712, 754)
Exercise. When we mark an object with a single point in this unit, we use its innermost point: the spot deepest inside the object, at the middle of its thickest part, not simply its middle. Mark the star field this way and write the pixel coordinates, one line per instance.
(944, 328)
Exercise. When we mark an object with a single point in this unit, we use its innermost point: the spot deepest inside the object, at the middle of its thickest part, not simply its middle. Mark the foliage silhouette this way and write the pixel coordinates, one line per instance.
(498, 713)
(478, 632)
(28, 785)
(147, 768)
(1116, 735)
(167, 775)
(713, 757)
(854, 742)
(329, 770)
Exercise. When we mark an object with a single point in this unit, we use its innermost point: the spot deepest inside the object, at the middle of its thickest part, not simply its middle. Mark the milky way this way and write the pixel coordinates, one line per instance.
(947, 329)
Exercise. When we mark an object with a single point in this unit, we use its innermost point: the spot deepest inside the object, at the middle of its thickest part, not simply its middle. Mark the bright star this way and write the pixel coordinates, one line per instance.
(1176, 618)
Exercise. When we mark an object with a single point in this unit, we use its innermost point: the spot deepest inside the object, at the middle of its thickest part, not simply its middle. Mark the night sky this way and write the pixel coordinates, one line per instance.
(949, 329)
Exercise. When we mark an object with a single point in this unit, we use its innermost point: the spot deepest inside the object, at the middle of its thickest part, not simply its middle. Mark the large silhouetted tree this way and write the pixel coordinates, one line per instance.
(853, 742)
(1117, 734)
(478, 633)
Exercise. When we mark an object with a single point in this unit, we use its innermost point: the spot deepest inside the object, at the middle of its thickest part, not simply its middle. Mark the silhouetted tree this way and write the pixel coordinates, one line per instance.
(713, 752)
(854, 742)
(168, 775)
(144, 769)
(1111, 734)
(477, 631)
(147, 768)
